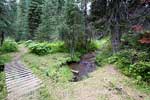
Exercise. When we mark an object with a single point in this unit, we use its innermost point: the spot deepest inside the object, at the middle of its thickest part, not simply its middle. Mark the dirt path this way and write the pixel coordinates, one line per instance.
(21, 83)
(106, 83)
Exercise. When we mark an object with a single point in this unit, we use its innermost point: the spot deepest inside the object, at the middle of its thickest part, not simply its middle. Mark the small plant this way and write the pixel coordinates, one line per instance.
(9, 46)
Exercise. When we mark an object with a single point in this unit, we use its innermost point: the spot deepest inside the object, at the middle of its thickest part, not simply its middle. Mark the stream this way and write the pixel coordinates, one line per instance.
(84, 67)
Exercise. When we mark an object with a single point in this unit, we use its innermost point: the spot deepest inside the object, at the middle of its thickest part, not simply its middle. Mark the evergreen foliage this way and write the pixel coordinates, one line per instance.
(22, 30)
(52, 18)
(34, 16)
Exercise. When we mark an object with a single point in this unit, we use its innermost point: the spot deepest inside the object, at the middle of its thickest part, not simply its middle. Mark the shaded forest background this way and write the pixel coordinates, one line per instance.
(74, 21)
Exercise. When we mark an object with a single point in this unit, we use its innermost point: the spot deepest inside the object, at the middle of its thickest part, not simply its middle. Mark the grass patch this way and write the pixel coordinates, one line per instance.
(3, 92)
(53, 72)
(52, 65)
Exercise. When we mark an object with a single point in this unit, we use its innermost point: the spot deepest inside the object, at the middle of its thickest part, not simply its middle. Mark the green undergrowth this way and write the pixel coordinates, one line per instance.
(3, 92)
(4, 58)
(8, 46)
(45, 48)
(132, 62)
(53, 71)
(52, 65)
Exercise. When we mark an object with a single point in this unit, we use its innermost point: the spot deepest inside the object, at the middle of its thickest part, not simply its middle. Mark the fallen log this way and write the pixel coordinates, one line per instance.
(75, 71)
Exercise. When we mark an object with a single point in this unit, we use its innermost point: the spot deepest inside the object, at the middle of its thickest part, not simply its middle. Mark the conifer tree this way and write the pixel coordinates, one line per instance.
(5, 19)
(22, 19)
(52, 18)
(34, 16)
(72, 30)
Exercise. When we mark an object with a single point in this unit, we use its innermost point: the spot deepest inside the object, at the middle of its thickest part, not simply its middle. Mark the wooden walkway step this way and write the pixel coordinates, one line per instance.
(20, 81)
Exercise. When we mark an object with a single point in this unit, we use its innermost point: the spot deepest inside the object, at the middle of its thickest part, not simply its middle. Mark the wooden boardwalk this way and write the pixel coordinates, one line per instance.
(20, 81)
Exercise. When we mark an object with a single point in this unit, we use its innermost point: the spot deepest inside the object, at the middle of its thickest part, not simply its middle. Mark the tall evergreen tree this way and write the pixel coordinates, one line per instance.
(22, 19)
(34, 16)
(4, 19)
(12, 13)
(73, 31)
(113, 20)
(52, 17)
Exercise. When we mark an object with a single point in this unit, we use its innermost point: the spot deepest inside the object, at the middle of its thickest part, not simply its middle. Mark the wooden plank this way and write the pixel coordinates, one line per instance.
(24, 85)
(15, 83)
(20, 80)
(14, 78)
(22, 94)
(17, 74)
(14, 68)
(27, 87)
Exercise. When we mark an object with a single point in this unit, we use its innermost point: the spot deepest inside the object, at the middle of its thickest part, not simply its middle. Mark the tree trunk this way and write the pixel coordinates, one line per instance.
(85, 24)
(2, 38)
(116, 35)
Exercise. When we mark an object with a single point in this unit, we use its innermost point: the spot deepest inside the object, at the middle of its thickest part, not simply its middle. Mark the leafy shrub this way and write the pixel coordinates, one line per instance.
(131, 55)
(28, 43)
(40, 48)
(133, 63)
(45, 47)
(9, 46)
(57, 47)
(132, 40)
(141, 71)
(93, 45)
(4, 59)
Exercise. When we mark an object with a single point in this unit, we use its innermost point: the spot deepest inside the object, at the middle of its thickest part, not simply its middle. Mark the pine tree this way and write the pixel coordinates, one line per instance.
(34, 16)
(22, 19)
(4, 19)
(112, 21)
(72, 30)
(52, 17)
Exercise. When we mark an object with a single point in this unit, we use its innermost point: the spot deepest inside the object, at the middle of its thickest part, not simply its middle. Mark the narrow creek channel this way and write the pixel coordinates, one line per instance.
(84, 67)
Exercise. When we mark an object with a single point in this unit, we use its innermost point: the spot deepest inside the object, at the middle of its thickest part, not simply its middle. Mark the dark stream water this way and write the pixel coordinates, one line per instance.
(84, 67)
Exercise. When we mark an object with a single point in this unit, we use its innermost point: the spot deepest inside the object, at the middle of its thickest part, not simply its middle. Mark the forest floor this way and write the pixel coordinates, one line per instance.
(106, 83)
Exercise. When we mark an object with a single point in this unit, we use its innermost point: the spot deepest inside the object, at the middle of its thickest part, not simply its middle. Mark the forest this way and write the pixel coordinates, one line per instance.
(74, 49)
